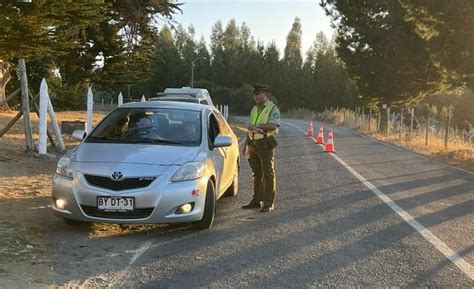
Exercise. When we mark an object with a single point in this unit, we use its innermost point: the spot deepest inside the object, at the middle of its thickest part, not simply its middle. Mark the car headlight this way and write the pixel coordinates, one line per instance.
(189, 171)
(64, 167)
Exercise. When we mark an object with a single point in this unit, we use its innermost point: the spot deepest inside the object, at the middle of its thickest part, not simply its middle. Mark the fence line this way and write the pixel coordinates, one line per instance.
(407, 126)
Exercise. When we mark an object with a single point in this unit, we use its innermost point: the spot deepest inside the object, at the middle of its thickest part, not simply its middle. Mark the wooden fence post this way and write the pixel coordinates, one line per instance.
(387, 129)
(90, 107)
(120, 99)
(25, 104)
(427, 126)
(401, 124)
(370, 114)
(378, 121)
(412, 111)
(446, 136)
(43, 121)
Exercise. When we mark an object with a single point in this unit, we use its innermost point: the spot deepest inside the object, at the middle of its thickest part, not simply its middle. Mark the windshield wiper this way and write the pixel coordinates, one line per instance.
(101, 139)
(158, 141)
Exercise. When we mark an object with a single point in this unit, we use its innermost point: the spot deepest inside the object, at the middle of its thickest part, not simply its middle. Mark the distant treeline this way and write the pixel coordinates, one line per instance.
(384, 51)
(235, 60)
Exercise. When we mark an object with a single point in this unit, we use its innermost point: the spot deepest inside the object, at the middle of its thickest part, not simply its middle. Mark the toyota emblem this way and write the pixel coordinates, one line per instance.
(117, 176)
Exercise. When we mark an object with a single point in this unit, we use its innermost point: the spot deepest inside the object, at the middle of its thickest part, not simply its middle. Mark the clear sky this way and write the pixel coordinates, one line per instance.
(267, 19)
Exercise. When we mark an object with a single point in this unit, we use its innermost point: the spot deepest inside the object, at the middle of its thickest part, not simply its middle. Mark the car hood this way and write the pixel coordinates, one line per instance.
(135, 153)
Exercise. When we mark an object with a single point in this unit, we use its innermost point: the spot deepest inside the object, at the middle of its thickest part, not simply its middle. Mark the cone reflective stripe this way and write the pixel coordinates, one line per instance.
(310, 129)
(329, 148)
(320, 138)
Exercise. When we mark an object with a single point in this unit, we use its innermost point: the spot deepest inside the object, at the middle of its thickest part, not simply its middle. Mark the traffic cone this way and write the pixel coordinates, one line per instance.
(310, 129)
(320, 138)
(329, 148)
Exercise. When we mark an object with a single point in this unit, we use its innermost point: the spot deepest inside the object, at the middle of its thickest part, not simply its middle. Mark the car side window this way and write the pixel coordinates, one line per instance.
(222, 124)
(204, 102)
(213, 129)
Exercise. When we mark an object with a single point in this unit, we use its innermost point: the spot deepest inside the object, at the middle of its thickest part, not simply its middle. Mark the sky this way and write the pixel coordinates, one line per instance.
(268, 20)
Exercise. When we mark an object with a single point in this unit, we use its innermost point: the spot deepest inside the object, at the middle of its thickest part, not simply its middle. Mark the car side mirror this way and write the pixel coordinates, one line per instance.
(79, 134)
(222, 141)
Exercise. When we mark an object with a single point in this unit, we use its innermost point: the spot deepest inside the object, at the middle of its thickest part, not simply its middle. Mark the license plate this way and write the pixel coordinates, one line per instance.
(115, 203)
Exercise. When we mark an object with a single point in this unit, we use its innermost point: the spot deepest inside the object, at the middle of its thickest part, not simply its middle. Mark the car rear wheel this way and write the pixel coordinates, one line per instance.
(209, 209)
(234, 187)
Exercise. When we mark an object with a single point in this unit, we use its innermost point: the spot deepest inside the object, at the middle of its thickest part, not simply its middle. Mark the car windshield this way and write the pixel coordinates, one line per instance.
(162, 126)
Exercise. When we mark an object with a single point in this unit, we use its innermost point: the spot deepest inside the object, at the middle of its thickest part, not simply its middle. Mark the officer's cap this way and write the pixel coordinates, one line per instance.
(260, 87)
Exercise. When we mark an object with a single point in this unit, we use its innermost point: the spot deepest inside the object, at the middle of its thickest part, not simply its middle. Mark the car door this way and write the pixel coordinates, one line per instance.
(231, 153)
(217, 155)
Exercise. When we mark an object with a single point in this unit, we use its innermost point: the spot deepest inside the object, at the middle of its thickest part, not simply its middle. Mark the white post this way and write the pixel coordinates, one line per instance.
(54, 124)
(120, 99)
(43, 122)
(90, 105)
(143, 98)
(226, 111)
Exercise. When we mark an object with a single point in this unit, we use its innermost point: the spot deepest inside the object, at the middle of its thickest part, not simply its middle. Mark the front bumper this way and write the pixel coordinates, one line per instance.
(155, 204)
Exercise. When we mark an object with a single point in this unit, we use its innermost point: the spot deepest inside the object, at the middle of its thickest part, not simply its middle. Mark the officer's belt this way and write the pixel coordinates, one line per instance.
(257, 135)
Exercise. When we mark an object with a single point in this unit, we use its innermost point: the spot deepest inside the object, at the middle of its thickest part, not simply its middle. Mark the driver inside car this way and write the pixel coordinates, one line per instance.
(144, 129)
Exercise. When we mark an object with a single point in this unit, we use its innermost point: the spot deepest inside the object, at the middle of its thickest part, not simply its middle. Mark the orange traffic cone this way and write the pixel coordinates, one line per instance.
(310, 129)
(320, 139)
(329, 148)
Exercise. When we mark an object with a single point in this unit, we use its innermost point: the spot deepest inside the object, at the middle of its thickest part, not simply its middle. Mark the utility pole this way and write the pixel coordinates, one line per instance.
(193, 64)
(192, 73)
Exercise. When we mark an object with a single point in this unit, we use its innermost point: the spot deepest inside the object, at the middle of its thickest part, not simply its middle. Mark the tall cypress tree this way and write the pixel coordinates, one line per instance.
(381, 51)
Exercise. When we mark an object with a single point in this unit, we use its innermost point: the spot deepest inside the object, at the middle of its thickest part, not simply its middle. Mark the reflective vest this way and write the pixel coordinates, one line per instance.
(263, 116)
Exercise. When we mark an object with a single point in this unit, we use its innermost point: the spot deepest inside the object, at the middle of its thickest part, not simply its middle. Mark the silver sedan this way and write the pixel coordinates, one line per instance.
(149, 162)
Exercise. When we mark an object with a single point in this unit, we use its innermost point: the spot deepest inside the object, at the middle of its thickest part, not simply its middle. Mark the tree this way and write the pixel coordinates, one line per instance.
(291, 69)
(381, 51)
(5, 77)
(105, 42)
(167, 67)
(203, 66)
(447, 29)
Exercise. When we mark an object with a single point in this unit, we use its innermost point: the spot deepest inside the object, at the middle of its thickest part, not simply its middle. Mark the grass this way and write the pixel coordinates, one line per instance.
(12, 144)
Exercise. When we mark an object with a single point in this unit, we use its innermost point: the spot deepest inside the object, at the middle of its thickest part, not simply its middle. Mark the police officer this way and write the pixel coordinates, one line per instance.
(259, 146)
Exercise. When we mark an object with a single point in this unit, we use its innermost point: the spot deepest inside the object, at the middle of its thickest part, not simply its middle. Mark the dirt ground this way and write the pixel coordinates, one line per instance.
(25, 214)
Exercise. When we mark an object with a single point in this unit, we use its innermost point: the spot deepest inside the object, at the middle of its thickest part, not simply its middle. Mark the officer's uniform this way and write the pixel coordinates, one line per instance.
(261, 153)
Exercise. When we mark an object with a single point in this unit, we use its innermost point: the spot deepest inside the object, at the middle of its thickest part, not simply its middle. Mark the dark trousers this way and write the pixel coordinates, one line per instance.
(262, 162)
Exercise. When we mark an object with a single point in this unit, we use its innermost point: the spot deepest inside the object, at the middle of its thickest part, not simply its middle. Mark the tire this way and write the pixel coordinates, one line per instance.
(234, 187)
(209, 209)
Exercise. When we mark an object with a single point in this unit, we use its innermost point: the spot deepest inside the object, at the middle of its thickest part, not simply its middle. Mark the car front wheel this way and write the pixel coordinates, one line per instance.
(209, 209)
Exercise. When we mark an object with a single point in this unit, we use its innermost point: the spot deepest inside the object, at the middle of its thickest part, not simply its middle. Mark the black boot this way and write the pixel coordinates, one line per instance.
(266, 208)
(252, 205)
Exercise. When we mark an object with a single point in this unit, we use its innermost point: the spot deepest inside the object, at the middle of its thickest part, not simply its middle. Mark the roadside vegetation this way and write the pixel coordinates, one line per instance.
(457, 150)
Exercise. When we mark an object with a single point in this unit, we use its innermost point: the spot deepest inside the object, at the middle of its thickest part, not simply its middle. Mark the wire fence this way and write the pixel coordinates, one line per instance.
(408, 124)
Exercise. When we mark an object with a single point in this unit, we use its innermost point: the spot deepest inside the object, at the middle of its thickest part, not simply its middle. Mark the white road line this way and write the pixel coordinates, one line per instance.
(140, 252)
(430, 237)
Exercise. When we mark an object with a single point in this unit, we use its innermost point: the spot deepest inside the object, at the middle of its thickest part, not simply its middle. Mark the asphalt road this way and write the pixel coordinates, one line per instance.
(374, 215)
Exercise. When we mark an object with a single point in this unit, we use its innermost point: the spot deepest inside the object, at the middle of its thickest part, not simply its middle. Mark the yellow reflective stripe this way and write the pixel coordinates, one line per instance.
(254, 115)
(264, 116)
